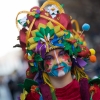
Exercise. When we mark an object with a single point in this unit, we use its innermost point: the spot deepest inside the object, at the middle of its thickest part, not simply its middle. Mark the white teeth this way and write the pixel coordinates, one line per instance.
(43, 40)
(48, 36)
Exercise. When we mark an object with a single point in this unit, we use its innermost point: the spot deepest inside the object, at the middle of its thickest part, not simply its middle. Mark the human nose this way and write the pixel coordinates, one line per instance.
(56, 58)
(57, 61)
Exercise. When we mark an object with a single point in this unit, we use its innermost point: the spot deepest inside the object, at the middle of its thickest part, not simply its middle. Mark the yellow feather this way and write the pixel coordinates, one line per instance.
(30, 57)
(50, 25)
(41, 25)
(31, 40)
(33, 46)
(61, 33)
(46, 80)
(84, 43)
(31, 64)
(34, 32)
(57, 29)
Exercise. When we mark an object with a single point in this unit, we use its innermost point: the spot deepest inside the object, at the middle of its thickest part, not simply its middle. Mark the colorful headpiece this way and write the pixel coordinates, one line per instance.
(47, 28)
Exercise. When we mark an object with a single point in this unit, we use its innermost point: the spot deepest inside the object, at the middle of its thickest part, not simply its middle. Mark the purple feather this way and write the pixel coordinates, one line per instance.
(41, 49)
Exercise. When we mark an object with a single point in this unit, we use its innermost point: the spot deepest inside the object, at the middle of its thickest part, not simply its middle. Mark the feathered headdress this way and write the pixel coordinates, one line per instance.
(47, 28)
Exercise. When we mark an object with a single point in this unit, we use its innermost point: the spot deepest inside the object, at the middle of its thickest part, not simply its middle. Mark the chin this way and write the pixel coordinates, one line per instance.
(61, 74)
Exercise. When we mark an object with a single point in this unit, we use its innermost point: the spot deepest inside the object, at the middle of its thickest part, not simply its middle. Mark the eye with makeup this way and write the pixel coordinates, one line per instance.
(61, 53)
(48, 57)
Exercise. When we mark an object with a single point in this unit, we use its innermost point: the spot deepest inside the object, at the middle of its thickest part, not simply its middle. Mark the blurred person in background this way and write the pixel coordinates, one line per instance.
(97, 68)
(16, 77)
(4, 90)
(12, 73)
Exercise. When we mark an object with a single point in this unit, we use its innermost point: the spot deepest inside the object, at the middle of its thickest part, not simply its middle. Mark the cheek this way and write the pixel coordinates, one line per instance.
(67, 60)
(70, 63)
(47, 64)
(65, 57)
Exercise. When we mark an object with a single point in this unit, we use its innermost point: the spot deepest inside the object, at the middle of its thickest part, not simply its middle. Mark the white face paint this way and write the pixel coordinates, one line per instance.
(61, 73)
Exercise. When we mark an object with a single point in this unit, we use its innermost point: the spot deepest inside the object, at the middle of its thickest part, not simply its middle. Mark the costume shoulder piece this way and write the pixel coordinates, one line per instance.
(95, 88)
(46, 28)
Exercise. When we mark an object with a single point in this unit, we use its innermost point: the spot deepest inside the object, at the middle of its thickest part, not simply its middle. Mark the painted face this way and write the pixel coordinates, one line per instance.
(57, 63)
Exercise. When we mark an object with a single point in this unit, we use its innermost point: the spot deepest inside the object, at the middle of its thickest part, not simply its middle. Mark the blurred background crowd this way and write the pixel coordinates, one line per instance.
(13, 66)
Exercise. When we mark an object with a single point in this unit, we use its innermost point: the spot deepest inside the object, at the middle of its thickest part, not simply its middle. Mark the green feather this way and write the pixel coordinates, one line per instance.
(30, 52)
(42, 30)
(28, 83)
(70, 52)
(47, 30)
(53, 94)
(38, 58)
(51, 32)
(36, 39)
(34, 69)
(38, 34)
(62, 5)
(67, 36)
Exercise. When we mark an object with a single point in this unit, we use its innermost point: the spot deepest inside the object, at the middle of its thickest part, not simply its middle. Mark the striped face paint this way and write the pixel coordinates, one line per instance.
(57, 63)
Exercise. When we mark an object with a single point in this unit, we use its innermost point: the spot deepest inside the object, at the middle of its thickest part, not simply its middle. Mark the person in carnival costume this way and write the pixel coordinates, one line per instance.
(56, 54)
